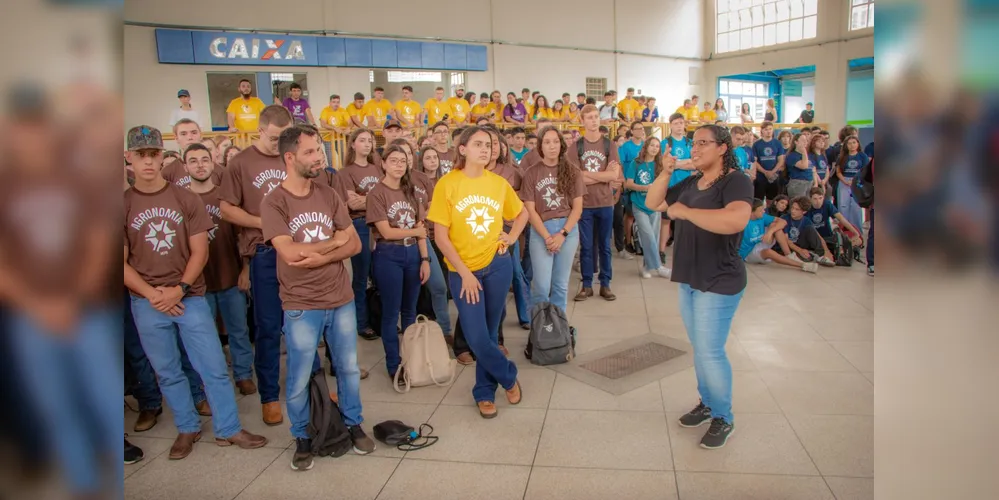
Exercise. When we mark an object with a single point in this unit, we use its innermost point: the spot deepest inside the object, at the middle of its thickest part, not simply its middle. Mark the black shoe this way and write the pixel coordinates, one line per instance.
(302, 460)
(717, 434)
(669, 242)
(662, 257)
(368, 334)
(133, 453)
(362, 443)
(699, 415)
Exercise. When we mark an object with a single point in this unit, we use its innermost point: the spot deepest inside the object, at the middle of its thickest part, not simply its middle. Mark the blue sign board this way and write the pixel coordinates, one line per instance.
(255, 49)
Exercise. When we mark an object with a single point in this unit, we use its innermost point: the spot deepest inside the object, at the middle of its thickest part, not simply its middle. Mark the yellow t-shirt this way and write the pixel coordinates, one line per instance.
(690, 114)
(459, 109)
(380, 110)
(247, 113)
(436, 110)
(353, 110)
(628, 107)
(543, 113)
(336, 119)
(480, 109)
(529, 108)
(473, 210)
(708, 116)
(409, 110)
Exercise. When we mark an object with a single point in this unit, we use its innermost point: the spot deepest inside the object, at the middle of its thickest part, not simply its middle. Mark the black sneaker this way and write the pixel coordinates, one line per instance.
(698, 416)
(362, 443)
(368, 334)
(662, 257)
(717, 434)
(133, 453)
(302, 460)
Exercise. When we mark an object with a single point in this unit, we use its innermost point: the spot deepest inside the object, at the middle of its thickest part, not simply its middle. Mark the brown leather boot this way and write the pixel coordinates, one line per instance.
(147, 419)
(244, 440)
(184, 445)
(513, 396)
(203, 409)
(607, 294)
(246, 387)
(487, 409)
(465, 358)
(272, 413)
(584, 293)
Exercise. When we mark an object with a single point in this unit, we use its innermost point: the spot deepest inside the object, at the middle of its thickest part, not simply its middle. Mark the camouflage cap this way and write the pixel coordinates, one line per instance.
(144, 137)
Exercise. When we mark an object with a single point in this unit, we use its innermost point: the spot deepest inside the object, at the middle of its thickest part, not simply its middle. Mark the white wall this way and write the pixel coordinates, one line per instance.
(830, 52)
(585, 36)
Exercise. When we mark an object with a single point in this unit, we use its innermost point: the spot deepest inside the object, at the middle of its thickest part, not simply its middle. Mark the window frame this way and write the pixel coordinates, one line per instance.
(853, 5)
(758, 24)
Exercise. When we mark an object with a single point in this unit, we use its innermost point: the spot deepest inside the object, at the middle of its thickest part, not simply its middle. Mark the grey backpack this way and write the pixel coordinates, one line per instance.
(550, 341)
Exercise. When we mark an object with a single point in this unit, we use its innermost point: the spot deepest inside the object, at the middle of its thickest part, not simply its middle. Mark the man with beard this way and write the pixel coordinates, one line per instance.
(459, 107)
(227, 275)
(251, 175)
(303, 220)
(187, 132)
(244, 111)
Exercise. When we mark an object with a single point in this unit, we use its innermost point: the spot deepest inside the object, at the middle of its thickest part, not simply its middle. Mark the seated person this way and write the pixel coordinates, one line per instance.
(822, 211)
(802, 237)
(779, 207)
(758, 241)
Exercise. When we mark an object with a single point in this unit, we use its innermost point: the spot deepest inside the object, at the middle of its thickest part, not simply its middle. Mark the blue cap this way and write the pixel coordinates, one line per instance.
(183, 93)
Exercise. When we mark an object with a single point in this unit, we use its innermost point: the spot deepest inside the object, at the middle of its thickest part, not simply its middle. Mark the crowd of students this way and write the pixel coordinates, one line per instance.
(279, 225)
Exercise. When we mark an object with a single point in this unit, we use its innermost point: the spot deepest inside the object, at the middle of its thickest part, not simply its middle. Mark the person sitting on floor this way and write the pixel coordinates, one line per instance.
(762, 234)
(779, 207)
(803, 239)
(822, 211)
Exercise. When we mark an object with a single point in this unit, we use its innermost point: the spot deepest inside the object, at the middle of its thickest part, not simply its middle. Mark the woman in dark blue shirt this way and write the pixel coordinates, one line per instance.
(799, 166)
(819, 163)
(851, 160)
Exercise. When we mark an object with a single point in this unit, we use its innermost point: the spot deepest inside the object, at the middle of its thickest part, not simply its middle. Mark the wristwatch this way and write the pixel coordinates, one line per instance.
(565, 233)
(184, 287)
(425, 259)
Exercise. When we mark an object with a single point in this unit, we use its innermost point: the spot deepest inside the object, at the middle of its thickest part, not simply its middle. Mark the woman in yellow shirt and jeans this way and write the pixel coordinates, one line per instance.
(468, 209)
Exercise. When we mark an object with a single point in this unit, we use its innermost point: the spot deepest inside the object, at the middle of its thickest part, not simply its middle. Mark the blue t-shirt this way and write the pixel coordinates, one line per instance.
(767, 153)
(680, 149)
(821, 164)
(853, 165)
(753, 234)
(820, 218)
(794, 227)
(518, 156)
(629, 151)
(650, 117)
(742, 158)
(797, 173)
(642, 174)
(869, 150)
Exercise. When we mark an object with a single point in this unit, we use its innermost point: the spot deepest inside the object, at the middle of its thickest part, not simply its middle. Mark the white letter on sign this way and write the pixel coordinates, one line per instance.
(238, 49)
(215, 50)
(255, 54)
(295, 51)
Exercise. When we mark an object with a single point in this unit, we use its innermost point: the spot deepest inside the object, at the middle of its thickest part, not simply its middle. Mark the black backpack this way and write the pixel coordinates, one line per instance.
(425, 303)
(552, 340)
(863, 191)
(843, 250)
(579, 149)
(374, 302)
(326, 428)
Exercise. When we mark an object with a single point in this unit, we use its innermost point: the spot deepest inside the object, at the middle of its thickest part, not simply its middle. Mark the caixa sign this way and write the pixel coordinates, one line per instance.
(244, 49)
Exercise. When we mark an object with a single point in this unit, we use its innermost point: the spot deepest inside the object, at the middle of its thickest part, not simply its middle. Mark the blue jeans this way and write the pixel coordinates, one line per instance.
(521, 288)
(232, 303)
(649, 226)
(397, 275)
(195, 328)
(870, 240)
(146, 390)
(302, 330)
(361, 265)
(480, 324)
(551, 271)
(525, 261)
(849, 207)
(596, 223)
(438, 292)
(708, 318)
(267, 315)
(70, 381)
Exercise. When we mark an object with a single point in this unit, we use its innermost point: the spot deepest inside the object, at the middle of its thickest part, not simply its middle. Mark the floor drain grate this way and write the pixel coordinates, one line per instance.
(631, 361)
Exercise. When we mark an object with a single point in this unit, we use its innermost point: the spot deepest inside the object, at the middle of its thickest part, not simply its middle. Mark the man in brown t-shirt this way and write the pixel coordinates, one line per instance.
(227, 275)
(439, 136)
(187, 132)
(251, 175)
(305, 221)
(165, 249)
(597, 158)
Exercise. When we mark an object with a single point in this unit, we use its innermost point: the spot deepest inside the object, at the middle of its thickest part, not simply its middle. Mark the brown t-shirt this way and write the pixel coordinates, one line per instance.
(595, 159)
(224, 262)
(359, 180)
(248, 178)
(387, 204)
(529, 160)
(540, 186)
(424, 187)
(312, 218)
(447, 160)
(157, 231)
(176, 172)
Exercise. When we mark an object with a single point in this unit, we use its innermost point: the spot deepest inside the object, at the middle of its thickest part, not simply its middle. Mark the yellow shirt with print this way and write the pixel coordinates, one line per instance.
(480, 110)
(436, 110)
(708, 116)
(459, 109)
(473, 210)
(247, 113)
(378, 109)
(690, 114)
(353, 110)
(409, 110)
(628, 107)
(336, 119)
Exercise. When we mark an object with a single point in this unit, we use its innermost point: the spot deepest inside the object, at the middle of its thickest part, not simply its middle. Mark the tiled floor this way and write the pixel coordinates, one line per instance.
(802, 351)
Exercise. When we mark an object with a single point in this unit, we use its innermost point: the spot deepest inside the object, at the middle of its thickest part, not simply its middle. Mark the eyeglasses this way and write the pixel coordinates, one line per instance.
(703, 142)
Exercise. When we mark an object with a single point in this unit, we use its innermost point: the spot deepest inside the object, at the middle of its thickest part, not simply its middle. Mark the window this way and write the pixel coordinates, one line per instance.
(457, 80)
(595, 88)
(736, 92)
(747, 24)
(861, 14)
(413, 76)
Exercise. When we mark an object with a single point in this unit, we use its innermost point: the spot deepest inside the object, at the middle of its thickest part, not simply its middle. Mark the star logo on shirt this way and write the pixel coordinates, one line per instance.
(211, 233)
(479, 219)
(315, 234)
(405, 220)
(271, 186)
(246, 108)
(551, 197)
(768, 151)
(817, 218)
(793, 234)
(160, 236)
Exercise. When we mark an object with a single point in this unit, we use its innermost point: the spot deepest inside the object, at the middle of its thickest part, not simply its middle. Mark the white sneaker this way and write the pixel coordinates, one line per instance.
(625, 255)
(826, 261)
(665, 272)
(646, 274)
(810, 267)
(794, 257)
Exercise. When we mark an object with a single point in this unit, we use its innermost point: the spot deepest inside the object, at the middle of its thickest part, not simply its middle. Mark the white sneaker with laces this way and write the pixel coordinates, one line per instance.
(665, 272)
(646, 274)
(810, 267)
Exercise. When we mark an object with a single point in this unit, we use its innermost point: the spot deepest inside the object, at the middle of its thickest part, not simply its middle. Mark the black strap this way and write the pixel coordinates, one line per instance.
(428, 440)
